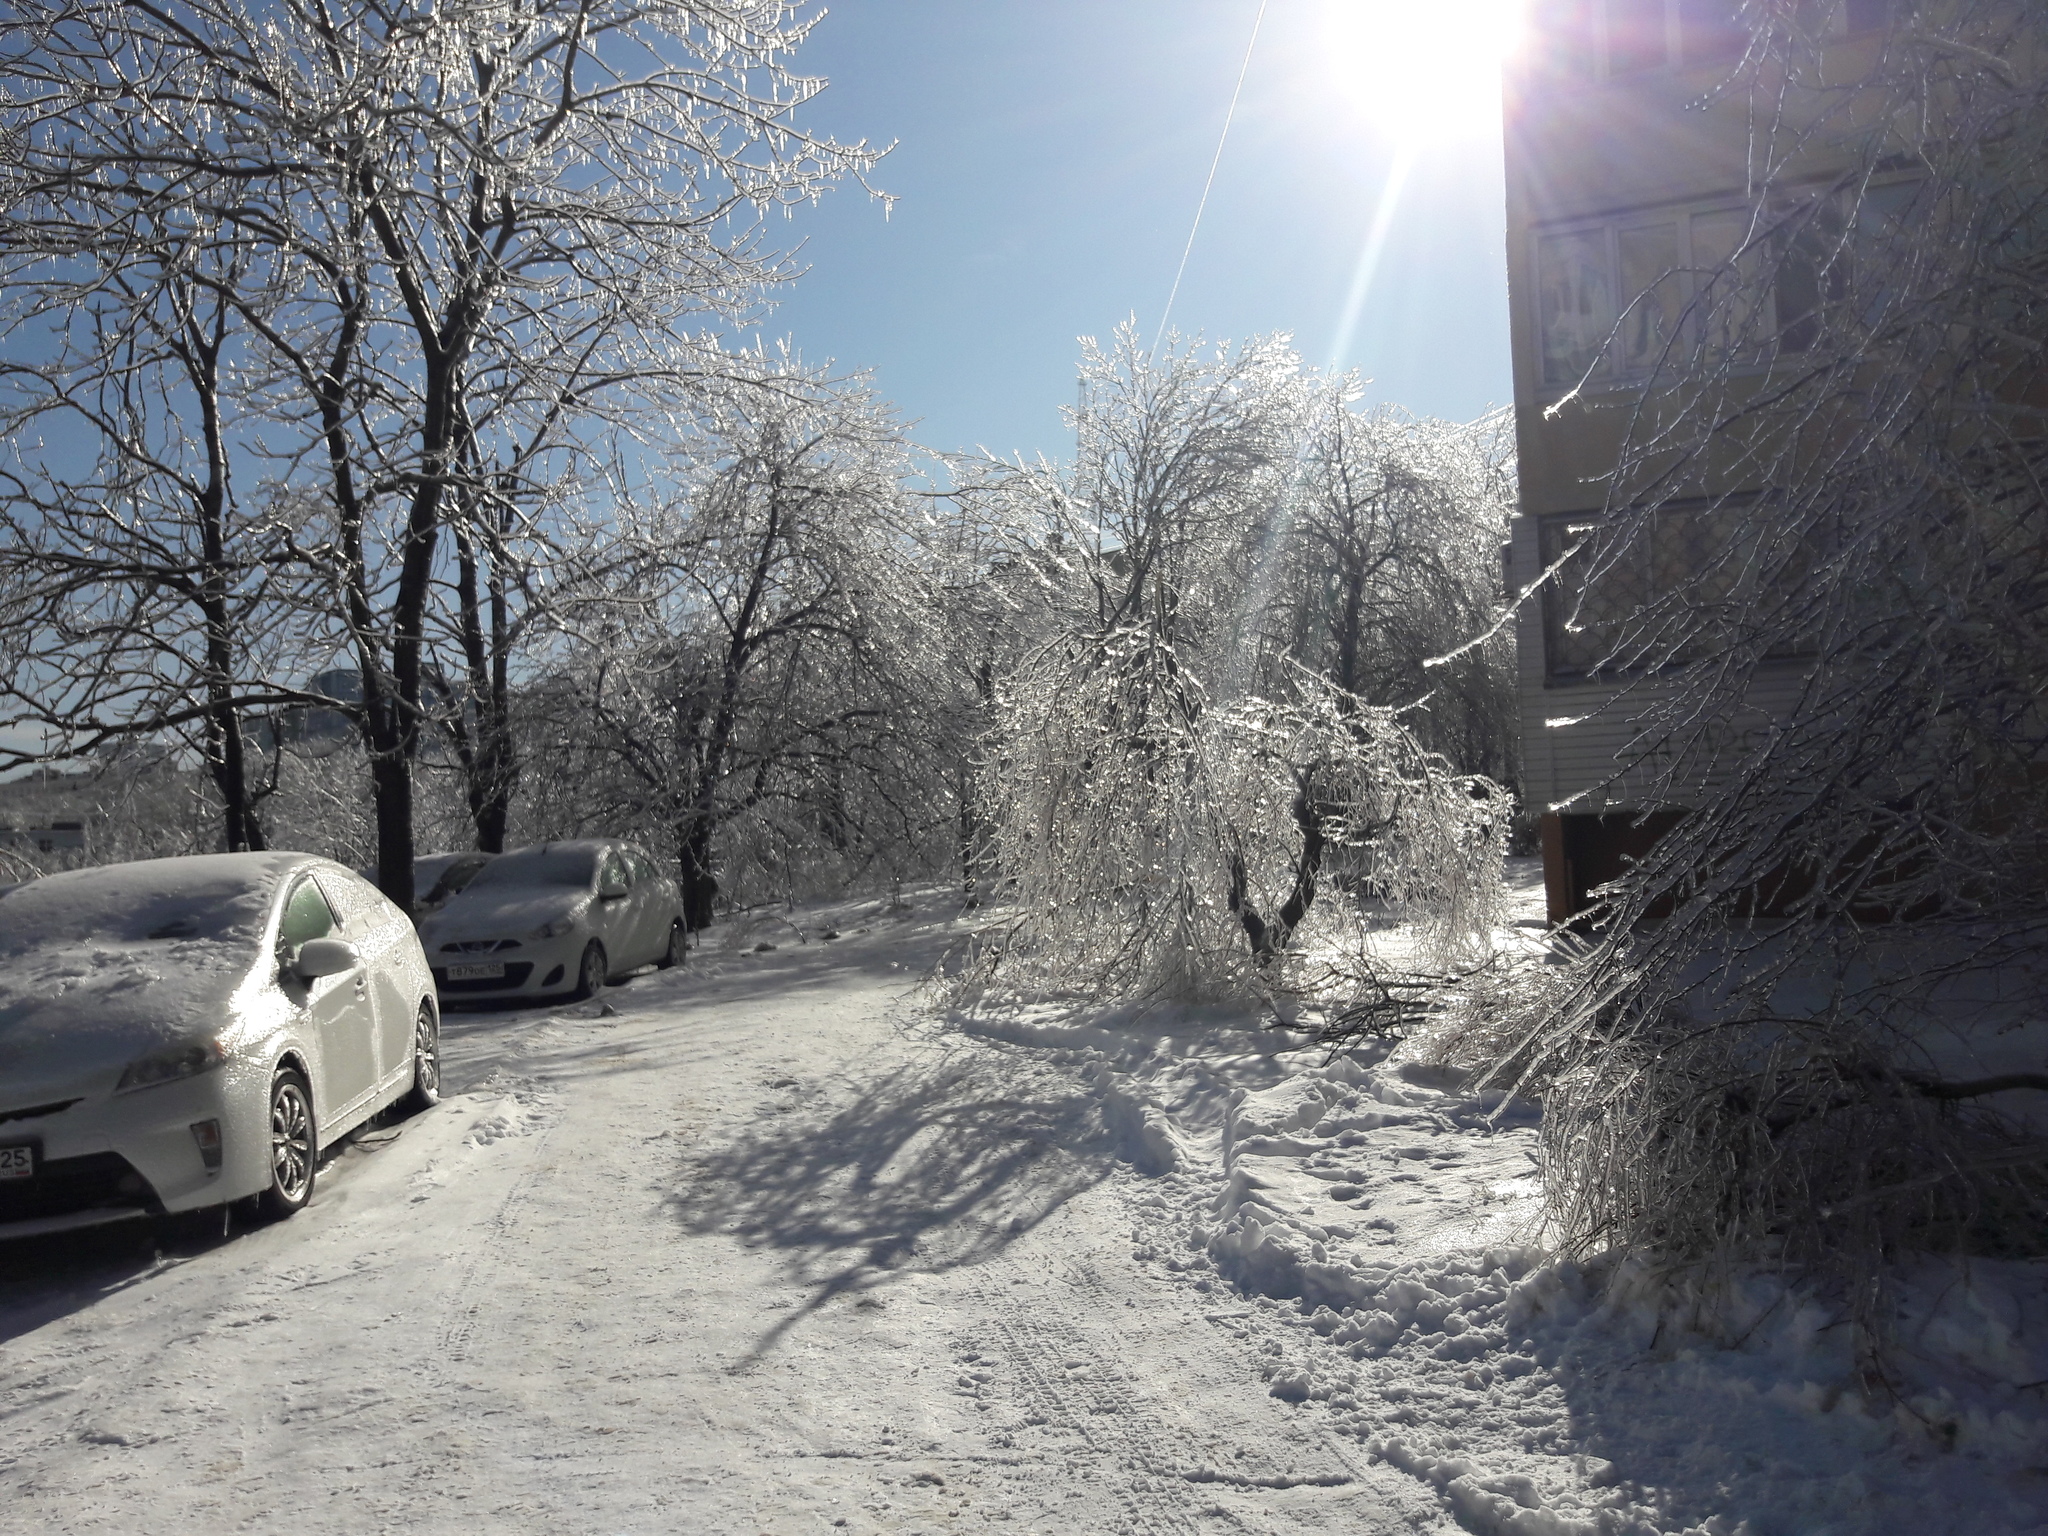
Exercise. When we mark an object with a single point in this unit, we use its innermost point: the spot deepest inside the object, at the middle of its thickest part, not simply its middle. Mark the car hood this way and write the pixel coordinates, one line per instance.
(76, 1011)
(502, 913)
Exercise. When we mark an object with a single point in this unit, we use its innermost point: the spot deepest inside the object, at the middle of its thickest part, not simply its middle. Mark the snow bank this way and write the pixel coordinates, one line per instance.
(1382, 1227)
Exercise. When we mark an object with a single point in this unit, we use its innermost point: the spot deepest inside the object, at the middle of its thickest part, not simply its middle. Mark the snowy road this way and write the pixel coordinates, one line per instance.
(765, 1247)
(760, 1251)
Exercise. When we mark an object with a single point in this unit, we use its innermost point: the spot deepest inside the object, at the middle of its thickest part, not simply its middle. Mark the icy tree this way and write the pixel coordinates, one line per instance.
(136, 597)
(1161, 790)
(989, 590)
(464, 237)
(1393, 560)
(1822, 588)
(732, 686)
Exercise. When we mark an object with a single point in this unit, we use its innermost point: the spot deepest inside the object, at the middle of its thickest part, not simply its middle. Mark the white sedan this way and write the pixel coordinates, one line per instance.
(181, 1033)
(554, 918)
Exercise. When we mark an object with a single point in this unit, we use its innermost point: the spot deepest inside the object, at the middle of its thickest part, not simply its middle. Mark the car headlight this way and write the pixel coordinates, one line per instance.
(554, 928)
(172, 1064)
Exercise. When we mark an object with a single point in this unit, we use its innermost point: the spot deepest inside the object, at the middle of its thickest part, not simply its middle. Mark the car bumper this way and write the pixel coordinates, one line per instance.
(535, 969)
(106, 1157)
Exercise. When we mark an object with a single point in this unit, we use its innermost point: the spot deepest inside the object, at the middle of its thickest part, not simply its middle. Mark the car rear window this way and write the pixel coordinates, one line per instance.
(539, 866)
(159, 899)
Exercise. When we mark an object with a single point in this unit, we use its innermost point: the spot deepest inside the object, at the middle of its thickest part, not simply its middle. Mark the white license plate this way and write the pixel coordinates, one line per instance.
(17, 1162)
(486, 970)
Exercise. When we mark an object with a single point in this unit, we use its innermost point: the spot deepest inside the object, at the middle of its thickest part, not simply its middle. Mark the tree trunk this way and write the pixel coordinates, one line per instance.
(699, 884)
(391, 792)
(1268, 939)
(970, 834)
(198, 347)
(227, 762)
(490, 771)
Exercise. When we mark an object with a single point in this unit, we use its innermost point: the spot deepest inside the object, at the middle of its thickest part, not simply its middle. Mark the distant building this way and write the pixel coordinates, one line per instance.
(317, 729)
(58, 837)
(1626, 181)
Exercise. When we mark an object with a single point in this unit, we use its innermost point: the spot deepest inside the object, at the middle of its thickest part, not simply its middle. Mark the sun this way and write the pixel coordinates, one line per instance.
(1420, 69)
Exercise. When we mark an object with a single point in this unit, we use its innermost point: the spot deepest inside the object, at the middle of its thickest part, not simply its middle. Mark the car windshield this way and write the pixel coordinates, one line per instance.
(445, 874)
(548, 866)
(161, 899)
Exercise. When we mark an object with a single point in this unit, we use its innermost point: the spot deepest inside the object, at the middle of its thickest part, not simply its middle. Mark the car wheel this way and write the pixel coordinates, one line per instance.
(678, 943)
(294, 1148)
(590, 974)
(426, 1062)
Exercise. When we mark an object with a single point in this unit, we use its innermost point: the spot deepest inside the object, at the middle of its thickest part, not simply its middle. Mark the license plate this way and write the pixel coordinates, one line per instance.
(485, 970)
(17, 1162)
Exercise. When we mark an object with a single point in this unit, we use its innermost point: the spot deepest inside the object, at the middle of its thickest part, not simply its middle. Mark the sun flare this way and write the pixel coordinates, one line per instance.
(1421, 69)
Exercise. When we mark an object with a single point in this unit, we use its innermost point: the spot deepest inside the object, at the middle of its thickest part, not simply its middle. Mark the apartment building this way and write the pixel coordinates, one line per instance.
(1628, 185)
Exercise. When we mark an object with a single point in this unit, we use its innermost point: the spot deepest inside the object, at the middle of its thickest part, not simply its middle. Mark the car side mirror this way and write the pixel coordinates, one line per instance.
(611, 890)
(325, 957)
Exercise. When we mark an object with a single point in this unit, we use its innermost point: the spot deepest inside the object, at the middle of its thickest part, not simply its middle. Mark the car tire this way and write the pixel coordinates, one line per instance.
(591, 971)
(426, 1062)
(294, 1146)
(678, 946)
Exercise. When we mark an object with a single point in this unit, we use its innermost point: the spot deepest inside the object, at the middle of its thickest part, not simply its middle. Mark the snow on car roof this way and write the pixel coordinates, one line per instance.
(218, 896)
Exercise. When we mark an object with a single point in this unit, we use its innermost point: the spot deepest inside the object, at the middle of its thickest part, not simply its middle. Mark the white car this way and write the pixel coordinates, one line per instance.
(555, 917)
(181, 1033)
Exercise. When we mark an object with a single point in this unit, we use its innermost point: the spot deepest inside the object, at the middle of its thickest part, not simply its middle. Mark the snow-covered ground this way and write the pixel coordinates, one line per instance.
(763, 1245)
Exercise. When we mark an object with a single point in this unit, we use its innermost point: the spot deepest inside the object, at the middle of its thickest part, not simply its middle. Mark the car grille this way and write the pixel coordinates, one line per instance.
(64, 1185)
(478, 946)
(37, 1111)
(515, 976)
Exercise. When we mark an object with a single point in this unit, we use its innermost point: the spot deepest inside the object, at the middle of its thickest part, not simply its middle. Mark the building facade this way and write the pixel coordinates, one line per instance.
(1629, 186)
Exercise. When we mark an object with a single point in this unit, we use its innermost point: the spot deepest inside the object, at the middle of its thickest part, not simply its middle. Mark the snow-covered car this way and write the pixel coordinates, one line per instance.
(182, 1033)
(555, 917)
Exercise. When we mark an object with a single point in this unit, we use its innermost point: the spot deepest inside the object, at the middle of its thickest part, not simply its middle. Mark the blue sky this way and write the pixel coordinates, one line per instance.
(1049, 159)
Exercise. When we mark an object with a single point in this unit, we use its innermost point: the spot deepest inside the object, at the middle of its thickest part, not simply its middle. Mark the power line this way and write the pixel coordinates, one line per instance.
(1215, 160)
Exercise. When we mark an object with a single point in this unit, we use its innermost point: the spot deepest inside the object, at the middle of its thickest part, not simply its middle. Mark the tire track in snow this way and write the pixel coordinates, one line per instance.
(463, 1308)
(1071, 1376)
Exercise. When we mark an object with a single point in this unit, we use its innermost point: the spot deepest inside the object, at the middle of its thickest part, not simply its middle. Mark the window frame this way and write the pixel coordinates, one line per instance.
(1589, 37)
(1690, 277)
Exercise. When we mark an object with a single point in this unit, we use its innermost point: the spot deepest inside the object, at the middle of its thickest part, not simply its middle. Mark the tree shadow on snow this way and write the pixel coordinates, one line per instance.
(920, 1171)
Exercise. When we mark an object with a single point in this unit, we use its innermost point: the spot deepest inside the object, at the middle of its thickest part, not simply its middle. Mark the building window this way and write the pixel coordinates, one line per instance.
(1562, 39)
(1662, 600)
(1648, 260)
(1582, 620)
(1619, 39)
(1610, 296)
(1575, 300)
(1614, 298)
(1677, 595)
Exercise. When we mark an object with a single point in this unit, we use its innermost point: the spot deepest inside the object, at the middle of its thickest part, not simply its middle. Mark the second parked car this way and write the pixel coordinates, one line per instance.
(554, 918)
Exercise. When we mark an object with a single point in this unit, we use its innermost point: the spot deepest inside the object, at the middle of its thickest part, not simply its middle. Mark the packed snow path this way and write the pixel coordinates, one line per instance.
(749, 1249)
